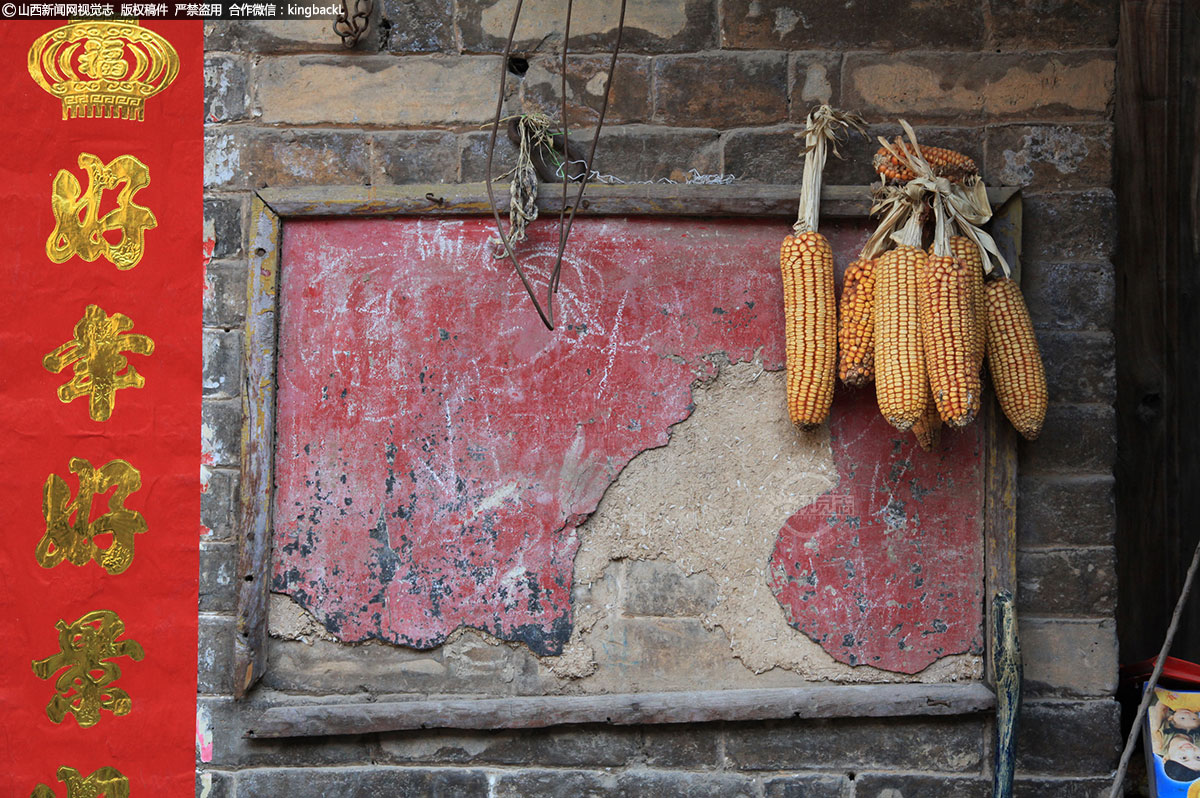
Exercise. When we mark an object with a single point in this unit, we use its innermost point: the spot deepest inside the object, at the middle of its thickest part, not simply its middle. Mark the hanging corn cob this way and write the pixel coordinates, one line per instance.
(900, 380)
(962, 248)
(948, 328)
(1014, 360)
(806, 263)
(945, 163)
(856, 324)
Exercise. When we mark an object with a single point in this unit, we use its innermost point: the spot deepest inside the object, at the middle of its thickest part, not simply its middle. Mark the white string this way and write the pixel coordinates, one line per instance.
(694, 177)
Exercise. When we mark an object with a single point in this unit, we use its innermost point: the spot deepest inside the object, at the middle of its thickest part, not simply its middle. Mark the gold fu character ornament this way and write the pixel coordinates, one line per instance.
(106, 781)
(96, 356)
(86, 236)
(102, 68)
(84, 688)
(74, 540)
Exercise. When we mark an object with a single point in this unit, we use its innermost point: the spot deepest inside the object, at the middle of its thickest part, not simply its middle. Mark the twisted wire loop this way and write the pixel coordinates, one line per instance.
(351, 26)
(566, 214)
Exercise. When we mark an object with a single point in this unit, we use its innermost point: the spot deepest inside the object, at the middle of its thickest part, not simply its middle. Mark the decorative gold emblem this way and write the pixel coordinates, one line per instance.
(103, 69)
(95, 355)
(85, 236)
(86, 648)
(107, 782)
(75, 540)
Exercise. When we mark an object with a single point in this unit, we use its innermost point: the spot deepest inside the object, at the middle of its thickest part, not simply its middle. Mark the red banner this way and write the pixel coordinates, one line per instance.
(100, 200)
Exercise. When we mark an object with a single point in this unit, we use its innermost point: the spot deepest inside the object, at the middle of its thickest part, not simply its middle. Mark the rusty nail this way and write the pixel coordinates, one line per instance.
(439, 201)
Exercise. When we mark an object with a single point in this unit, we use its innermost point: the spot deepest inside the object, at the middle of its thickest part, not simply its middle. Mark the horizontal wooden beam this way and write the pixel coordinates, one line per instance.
(599, 200)
(524, 712)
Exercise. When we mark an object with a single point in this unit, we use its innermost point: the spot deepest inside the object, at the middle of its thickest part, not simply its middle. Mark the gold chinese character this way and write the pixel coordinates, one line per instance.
(95, 354)
(75, 540)
(106, 782)
(83, 689)
(86, 236)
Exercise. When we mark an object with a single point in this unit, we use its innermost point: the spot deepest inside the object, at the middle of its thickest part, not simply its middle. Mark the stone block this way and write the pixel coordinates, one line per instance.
(637, 152)
(1069, 296)
(979, 86)
(1033, 24)
(254, 158)
(564, 746)
(765, 155)
(553, 784)
(688, 747)
(1067, 582)
(918, 785)
(417, 26)
(661, 588)
(324, 667)
(809, 785)
(1075, 438)
(950, 744)
(223, 226)
(473, 158)
(815, 77)
(366, 782)
(224, 294)
(222, 363)
(1080, 367)
(641, 783)
(1047, 787)
(224, 88)
(1065, 511)
(1069, 657)
(652, 26)
(873, 24)
(215, 657)
(721, 90)
(1068, 738)
(1050, 157)
(1070, 226)
(284, 36)
(628, 98)
(628, 152)
(221, 432)
(406, 157)
(217, 587)
(218, 503)
(416, 91)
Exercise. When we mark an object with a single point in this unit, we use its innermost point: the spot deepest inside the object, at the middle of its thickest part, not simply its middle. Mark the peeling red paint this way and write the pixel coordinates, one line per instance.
(887, 568)
(436, 447)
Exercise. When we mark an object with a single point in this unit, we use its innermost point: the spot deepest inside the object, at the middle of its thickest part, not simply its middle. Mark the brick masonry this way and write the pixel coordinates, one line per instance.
(719, 86)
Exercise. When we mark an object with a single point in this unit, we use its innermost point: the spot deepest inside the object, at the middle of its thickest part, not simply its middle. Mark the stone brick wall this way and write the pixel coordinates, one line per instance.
(718, 86)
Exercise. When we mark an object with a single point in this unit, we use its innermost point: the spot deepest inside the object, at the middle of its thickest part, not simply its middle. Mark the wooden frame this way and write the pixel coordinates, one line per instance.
(272, 207)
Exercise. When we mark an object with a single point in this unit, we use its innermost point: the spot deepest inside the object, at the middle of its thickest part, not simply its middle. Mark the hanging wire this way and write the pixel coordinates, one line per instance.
(566, 215)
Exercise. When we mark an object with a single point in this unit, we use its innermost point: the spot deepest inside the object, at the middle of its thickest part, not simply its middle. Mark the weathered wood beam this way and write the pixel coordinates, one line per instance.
(525, 712)
(599, 200)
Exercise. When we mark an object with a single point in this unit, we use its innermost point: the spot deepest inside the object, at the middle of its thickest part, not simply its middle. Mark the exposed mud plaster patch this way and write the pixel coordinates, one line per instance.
(542, 18)
(290, 621)
(712, 502)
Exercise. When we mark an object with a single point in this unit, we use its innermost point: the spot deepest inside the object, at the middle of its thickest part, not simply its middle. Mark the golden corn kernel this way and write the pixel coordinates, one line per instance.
(810, 314)
(1014, 360)
(856, 324)
(900, 381)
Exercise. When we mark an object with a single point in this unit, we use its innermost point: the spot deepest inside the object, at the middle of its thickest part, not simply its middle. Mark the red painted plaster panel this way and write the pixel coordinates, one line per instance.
(437, 447)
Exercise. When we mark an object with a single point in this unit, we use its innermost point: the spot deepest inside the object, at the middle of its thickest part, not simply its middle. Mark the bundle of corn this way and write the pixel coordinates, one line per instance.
(806, 262)
(1014, 359)
(900, 378)
(890, 162)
